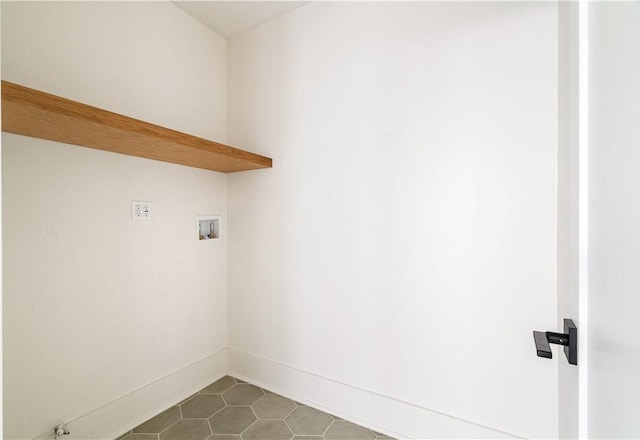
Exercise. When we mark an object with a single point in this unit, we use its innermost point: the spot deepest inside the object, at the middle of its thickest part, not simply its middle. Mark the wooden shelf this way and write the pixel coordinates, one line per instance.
(37, 114)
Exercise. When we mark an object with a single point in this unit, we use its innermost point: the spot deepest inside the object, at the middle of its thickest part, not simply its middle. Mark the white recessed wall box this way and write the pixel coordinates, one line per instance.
(207, 227)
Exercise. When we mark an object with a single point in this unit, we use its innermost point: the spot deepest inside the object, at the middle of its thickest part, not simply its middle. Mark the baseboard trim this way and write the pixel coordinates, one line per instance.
(385, 414)
(114, 418)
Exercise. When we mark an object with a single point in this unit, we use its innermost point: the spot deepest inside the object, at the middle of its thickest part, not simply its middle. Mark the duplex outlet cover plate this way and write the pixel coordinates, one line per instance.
(140, 211)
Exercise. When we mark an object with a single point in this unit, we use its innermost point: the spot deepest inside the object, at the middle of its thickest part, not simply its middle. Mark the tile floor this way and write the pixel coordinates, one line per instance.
(230, 409)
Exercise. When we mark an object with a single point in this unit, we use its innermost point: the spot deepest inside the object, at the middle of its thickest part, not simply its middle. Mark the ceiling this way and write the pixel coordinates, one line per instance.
(228, 18)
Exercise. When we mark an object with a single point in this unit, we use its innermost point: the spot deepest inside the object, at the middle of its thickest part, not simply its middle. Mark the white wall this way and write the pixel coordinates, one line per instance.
(403, 246)
(148, 60)
(101, 313)
(614, 215)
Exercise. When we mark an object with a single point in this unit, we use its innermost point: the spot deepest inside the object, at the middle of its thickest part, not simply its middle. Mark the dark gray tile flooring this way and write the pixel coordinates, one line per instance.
(230, 409)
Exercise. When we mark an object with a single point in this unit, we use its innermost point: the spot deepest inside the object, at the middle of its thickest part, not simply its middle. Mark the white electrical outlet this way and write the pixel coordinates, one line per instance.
(140, 211)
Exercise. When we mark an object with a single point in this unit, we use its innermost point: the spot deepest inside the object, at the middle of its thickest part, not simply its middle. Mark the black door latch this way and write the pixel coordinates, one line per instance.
(569, 339)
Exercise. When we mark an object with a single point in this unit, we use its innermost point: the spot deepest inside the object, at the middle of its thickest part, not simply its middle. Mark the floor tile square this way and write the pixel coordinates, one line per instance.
(160, 422)
(272, 406)
(202, 406)
(305, 420)
(268, 430)
(220, 386)
(341, 430)
(242, 394)
(142, 437)
(187, 430)
(232, 420)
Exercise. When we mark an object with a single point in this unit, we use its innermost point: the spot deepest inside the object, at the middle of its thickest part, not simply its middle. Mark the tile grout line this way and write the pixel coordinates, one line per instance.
(288, 426)
(328, 427)
(295, 406)
(209, 422)
(245, 429)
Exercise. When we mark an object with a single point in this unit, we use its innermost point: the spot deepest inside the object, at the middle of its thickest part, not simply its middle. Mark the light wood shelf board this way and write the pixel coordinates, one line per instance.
(30, 112)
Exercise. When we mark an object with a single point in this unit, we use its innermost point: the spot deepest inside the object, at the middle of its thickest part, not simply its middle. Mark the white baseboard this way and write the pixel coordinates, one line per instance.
(125, 413)
(381, 413)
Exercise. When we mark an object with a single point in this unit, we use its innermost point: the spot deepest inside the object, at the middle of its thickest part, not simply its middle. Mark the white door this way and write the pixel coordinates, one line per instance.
(599, 221)
(568, 208)
(599, 217)
(613, 339)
